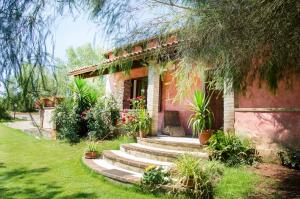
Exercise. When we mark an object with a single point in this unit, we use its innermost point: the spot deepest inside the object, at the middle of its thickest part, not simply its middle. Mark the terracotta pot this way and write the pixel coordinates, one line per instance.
(47, 102)
(204, 136)
(90, 155)
(142, 134)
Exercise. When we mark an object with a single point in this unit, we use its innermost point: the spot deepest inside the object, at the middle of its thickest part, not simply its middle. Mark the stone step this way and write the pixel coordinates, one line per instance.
(155, 153)
(172, 143)
(130, 162)
(113, 172)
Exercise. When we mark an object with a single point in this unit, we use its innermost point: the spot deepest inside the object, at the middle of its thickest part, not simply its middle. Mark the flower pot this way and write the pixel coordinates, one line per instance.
(142, 134)
(47, 102)
(204, 136)
(90, 155)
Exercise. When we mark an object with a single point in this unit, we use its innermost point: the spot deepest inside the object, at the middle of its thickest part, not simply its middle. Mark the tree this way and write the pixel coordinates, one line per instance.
(240, 40)
(84, 55)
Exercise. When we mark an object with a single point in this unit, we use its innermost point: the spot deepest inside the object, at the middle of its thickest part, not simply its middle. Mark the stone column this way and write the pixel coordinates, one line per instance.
(228, 106)
(47, 118)
(153, 96)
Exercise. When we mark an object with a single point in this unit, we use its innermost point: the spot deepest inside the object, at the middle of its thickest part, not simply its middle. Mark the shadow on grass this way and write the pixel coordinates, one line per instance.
(23, 184)
(2, 165)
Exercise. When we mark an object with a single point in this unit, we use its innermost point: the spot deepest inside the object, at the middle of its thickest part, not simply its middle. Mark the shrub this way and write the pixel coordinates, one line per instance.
(102, 119)
(153, 178)
(66, 122)
(290, 158)
(137, 120)
(197, 177)
(4, 115)
(231, 150)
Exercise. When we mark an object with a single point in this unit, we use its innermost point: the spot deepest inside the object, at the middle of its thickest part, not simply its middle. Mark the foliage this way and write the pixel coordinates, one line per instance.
(197, 177)
(25, 88)
(91, 147)
(290, 158)
(84, 95)
(241, 40)
(202, 116)
(4, 115)
(153, 178)
(138, 119)
(66, 122)
(86, 114)
(130, 122)
(102, 119)
(24, 31)
(85, 55)
(231, 150)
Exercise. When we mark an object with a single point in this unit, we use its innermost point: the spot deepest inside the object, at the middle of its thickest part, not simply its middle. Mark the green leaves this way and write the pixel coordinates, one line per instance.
(202, 116)
(231, 150)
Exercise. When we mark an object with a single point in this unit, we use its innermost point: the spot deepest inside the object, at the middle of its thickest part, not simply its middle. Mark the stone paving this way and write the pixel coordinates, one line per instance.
(28, 126)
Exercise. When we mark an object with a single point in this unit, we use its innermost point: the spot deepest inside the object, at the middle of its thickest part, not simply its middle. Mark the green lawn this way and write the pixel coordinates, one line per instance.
(31, 168)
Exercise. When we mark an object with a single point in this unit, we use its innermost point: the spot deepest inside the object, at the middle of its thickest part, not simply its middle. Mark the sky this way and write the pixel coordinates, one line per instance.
(75, 31)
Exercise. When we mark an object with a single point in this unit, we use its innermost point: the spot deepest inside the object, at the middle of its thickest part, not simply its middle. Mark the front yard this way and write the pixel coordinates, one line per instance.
(32, 168)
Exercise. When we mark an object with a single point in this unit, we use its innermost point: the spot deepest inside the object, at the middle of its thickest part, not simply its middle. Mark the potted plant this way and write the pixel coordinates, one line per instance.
(187, 167)
(91, 151)
(202, 117)
(143, 124)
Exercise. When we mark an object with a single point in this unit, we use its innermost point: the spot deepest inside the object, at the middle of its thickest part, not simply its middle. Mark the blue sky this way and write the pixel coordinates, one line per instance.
(75, 31)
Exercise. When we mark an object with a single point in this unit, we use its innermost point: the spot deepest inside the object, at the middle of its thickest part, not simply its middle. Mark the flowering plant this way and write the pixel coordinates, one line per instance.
(137, 120)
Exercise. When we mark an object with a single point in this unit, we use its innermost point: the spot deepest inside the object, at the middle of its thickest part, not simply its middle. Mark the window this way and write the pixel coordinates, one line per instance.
(134, 88)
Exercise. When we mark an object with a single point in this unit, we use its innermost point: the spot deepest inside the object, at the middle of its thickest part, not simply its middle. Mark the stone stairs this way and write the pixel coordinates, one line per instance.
(128, 164)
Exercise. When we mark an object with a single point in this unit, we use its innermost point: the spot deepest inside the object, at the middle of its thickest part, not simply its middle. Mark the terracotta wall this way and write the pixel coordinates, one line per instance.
(270, 127)
(169, 92)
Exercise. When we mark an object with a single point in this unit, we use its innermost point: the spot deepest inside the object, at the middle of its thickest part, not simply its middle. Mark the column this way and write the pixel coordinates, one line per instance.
(228, 106)
(153, 96)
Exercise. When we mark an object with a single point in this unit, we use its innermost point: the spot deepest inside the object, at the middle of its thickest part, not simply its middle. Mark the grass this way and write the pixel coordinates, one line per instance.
(31, 168)
(237, 183)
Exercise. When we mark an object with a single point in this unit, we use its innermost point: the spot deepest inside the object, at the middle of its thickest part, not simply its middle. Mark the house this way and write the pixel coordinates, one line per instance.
(268, 119)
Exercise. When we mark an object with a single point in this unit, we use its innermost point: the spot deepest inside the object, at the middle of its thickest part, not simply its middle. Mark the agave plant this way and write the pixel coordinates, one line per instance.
(202, 116)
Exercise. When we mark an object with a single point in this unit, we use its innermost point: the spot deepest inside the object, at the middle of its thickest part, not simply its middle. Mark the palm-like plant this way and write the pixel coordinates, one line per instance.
(202, 116)
(84, 96)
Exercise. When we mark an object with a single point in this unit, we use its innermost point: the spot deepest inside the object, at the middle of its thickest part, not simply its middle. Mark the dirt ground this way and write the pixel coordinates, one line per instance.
(279, 182)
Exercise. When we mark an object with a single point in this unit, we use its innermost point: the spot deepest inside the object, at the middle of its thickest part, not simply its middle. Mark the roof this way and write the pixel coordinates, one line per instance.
(135, 55)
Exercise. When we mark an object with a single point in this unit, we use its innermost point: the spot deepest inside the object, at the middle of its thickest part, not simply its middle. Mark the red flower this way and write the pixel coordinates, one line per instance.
(139, 97)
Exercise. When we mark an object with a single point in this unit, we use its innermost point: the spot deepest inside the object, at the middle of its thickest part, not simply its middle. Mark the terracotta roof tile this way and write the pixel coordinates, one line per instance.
(86, 69)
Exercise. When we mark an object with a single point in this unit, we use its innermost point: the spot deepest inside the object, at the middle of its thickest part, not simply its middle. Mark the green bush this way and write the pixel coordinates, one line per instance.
(197, 177)
(153, 178)
(290, 158)
(102, 119)
(231, 150)
(4, 115)
(65, 119)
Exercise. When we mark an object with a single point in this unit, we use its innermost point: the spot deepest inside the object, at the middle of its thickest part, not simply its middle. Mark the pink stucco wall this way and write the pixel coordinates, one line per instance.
(270, 127)
(169, 92)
